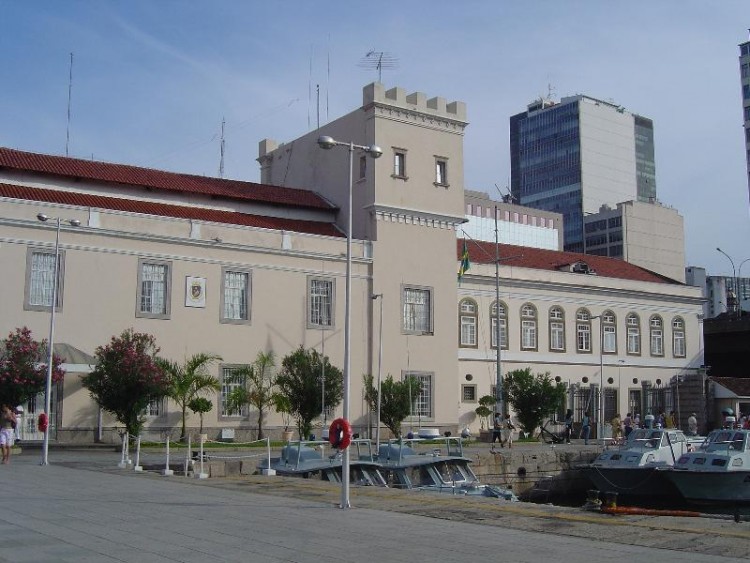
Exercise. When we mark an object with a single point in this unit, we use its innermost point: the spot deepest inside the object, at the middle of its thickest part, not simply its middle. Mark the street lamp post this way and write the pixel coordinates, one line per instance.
(380, 371)
(600, 425)
(327, 143)
(50, 343)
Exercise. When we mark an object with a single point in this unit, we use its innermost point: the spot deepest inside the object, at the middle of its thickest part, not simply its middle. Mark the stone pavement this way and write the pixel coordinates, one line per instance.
(82, 508)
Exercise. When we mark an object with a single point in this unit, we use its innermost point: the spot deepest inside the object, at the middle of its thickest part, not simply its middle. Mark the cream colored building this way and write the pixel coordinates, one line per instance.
(270, 263)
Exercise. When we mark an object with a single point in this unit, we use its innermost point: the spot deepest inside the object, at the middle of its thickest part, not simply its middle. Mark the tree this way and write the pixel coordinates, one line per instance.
(189, 380)
(200, 405)
(257, 387)
(22, 373)
(396, 400)
(127, 378)
(300, 381)
(533, 396)
(484, 410)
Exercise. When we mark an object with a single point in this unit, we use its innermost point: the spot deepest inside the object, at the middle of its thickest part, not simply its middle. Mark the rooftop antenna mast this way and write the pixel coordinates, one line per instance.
(70, 95)
(378, 60)
(221, 145)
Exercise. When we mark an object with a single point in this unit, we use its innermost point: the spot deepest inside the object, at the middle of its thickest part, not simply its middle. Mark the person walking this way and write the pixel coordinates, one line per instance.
(616, 428)
(508, 428)
(586, 427)
(628, 424)
(7, 427)
(497, 429)
(692, 425)
(672, 420)
(568, 425)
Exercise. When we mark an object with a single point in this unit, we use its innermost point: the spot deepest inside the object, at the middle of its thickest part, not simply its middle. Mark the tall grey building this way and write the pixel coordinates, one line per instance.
(574, 156)
(745, 78)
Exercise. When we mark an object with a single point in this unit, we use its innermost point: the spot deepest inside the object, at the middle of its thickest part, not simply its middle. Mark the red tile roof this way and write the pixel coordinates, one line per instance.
(165, 210)
(158, 179)
(539, 259)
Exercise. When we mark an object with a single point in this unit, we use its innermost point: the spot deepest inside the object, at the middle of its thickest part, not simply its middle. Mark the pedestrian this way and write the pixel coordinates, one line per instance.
(637, 421)
(586, 427)
(616, 428)
(628, 424)
(508, 428)
(692, 425)
(672, 420)
(568, 425)
(7, 427)
(661, 420)
(497, 429)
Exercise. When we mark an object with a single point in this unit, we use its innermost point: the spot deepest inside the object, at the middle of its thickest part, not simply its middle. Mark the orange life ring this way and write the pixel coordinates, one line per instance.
(43, 422)
(340, 433)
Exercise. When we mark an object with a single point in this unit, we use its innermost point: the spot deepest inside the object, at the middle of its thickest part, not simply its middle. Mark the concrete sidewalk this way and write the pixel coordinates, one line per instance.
(82, 508)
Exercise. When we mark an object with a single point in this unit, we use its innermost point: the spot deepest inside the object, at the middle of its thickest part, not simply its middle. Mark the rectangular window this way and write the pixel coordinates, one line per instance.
(584, 337)
(229, 382)
(746, 91)
(235, 297)
(399, 164)
(320, 299)
(657, 342)
(679, 343)
(634, 340)
(503, 333)
(154, 408)
(40, 275)
(557, 336)
(441, 175)
(610, 339)
(423, 403)
(154, 289)
(528, 335)
(469, 393)
(362, 167)
(417, 310)
(468, 330)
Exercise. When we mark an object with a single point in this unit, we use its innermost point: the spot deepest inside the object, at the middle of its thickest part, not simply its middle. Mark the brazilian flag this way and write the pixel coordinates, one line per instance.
(464, 267)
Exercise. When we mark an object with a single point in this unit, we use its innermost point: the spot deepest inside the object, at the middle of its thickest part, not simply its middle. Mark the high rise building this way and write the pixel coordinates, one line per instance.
(745, 78)
(574, 156)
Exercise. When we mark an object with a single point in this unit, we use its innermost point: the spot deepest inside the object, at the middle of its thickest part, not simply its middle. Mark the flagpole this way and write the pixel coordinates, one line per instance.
(499, 377)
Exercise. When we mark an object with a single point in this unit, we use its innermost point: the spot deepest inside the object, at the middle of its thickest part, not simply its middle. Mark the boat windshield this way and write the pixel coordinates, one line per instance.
(452, 471)
(728, 440)
(645, 438)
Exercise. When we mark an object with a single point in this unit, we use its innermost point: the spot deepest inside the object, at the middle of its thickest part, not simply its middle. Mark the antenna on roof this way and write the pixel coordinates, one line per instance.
(378, 60)
(505, 195)
(70, 94)
(221, 145)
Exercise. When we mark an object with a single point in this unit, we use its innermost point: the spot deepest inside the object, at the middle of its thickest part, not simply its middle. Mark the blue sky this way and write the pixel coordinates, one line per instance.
(152, 81)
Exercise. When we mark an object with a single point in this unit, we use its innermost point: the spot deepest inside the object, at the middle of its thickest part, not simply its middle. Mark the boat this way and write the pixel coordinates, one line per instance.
(717, 473)
(434, 469)
(310, 459)
(631, 469)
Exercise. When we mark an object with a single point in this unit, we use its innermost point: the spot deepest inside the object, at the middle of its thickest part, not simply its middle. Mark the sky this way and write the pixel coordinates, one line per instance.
(152, 82)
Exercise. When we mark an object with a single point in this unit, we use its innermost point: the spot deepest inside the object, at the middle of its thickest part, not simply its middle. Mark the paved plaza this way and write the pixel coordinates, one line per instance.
(82, 508)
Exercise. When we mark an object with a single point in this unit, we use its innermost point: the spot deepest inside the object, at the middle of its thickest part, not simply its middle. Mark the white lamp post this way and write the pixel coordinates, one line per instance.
(326, 142)
(50, 343)
(380, 371)
(600, 425)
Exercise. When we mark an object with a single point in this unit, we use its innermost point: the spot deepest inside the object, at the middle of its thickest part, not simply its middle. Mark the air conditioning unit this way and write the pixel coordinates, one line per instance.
(227, 434)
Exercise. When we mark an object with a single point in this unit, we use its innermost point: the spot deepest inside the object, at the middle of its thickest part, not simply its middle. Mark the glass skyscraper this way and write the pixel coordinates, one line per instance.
(574, 156)
(745, 79)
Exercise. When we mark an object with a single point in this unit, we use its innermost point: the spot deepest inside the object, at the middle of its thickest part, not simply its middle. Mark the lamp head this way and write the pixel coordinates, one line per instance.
(375, 151)
(42, 217)
(74, 223)
(326, 142)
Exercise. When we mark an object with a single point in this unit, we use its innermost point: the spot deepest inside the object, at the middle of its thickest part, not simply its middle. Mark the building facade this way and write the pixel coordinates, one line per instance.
(516, 224)
(745, 84)
(574, 156)
(647, 234)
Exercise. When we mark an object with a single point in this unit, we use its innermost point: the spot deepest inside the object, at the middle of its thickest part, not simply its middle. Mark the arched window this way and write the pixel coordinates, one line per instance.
(583, 331)
(467, 319)
(503, 320)
(656, 329)
(633, 324)
(557, 329)
(528, 327)
(679, 349)
(609, 332)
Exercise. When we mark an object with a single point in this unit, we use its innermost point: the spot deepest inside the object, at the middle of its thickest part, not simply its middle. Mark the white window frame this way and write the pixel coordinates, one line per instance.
(633, 324)
(468, 387)
(423, 404)
(557, 329)
(467, 323)
(399, 163)
(528, 327)
(503, 326)
(656, 335)
(416, 317)
(609, 333)
(155, 408)
(242, 313)
(441, 172)
(226, 388)
(320, 304)
(679, 343)
(39, 282)
(165, 310)
(583, 331)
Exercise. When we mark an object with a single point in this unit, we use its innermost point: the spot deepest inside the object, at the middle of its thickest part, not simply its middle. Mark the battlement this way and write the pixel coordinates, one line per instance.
(416, 101)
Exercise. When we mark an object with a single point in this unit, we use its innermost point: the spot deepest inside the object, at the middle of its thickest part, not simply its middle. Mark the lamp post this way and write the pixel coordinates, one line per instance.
(600, 425)
(50, 343)
(327, 143)
(380, 371)
(736, 287)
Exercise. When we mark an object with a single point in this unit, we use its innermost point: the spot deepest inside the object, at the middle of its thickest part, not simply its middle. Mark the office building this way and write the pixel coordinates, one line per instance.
(745, 82)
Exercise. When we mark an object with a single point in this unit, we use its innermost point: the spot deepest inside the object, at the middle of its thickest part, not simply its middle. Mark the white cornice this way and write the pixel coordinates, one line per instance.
(415, 217)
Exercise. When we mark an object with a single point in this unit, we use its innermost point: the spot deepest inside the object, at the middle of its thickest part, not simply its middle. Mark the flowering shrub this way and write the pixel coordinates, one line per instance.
(127, 377)
(23, 367)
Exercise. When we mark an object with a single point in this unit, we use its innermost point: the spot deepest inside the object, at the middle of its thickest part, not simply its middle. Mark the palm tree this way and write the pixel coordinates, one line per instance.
(257, 382)
(189, 380)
